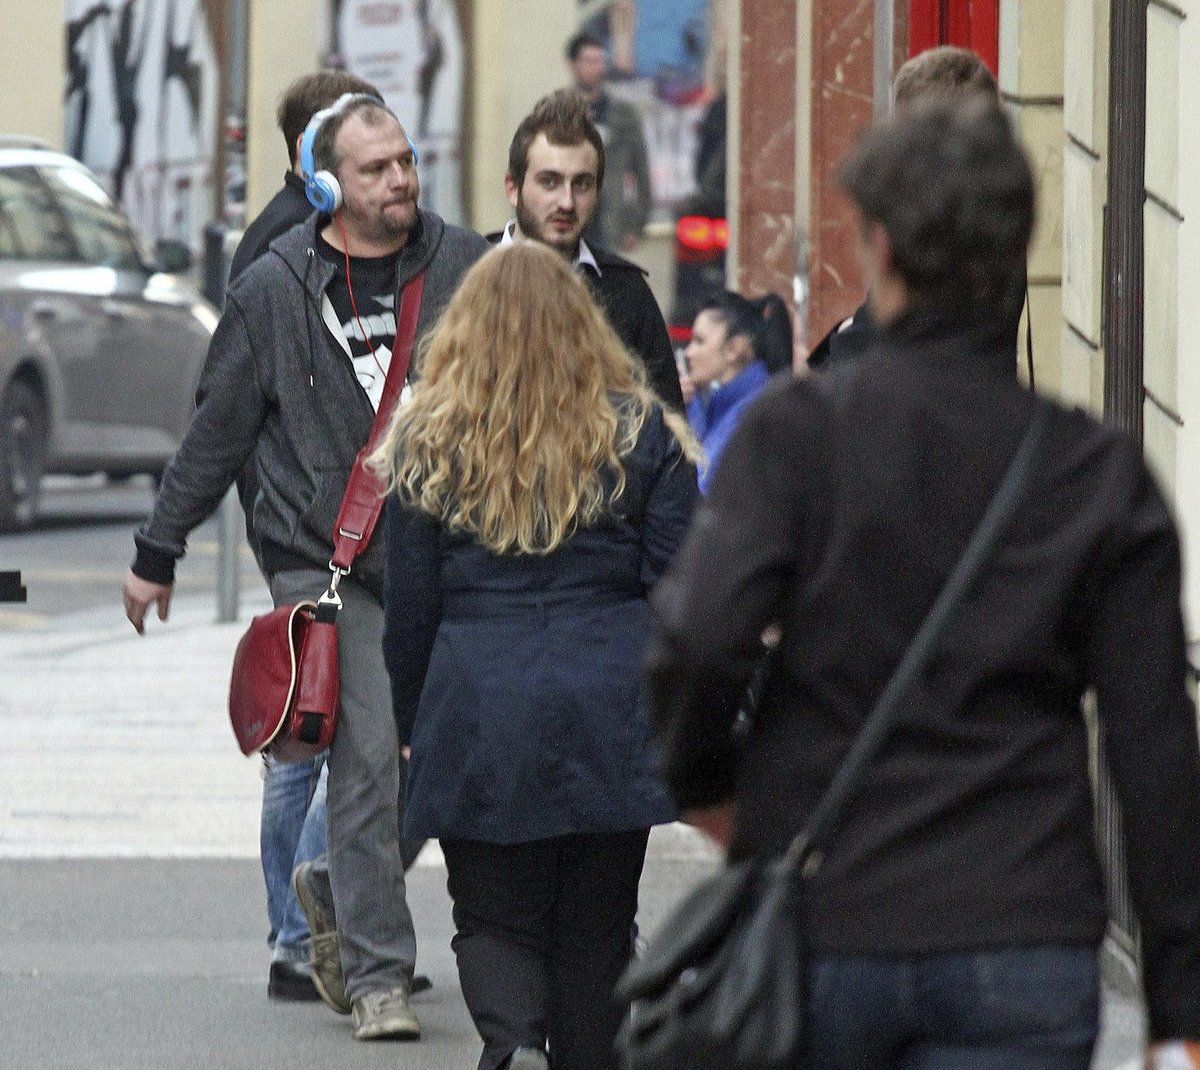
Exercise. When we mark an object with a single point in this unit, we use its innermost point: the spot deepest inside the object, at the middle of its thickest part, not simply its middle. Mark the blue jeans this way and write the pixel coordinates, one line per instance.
(292, 831)
(1034, 1008)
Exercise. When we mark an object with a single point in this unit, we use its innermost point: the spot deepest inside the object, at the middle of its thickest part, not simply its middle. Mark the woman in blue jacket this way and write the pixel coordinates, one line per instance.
(736, 345)
(542, 491)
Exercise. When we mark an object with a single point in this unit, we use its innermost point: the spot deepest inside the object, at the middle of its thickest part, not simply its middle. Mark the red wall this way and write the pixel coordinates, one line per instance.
(973, 24)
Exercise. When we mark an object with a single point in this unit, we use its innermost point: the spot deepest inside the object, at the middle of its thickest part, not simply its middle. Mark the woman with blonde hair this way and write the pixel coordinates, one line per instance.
(541, 490)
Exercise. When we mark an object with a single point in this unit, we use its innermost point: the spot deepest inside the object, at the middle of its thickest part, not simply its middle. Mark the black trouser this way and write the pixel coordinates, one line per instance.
(543, 934)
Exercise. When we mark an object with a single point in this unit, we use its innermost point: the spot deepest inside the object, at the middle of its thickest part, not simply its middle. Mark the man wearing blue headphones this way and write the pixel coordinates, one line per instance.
(293, 823)
(294, 375)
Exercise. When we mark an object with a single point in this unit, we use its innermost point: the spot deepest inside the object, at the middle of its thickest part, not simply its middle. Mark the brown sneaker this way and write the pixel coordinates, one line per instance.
(326, 959)
(385, 1015)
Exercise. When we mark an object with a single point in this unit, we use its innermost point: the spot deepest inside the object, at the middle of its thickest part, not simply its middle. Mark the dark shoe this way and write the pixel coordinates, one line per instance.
(385, 1016)
(291, 982)
(421, 983)
(326, 961)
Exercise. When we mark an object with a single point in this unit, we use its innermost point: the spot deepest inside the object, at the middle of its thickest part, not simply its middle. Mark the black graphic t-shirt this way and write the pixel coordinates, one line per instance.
(374, 280)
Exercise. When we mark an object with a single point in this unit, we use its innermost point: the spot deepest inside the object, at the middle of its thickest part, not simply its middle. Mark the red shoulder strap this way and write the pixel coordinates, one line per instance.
(363, 499)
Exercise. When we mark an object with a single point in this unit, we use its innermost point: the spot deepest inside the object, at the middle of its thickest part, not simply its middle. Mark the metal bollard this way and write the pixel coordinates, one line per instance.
(229, 541)
(229, 515)
(216, 267)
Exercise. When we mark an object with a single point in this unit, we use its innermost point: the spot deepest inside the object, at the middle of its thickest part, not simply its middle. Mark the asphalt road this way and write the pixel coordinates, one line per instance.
(76, 556)
(143, 965)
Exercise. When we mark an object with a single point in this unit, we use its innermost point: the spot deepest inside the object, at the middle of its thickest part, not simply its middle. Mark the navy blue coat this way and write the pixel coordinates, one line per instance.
(517, 679)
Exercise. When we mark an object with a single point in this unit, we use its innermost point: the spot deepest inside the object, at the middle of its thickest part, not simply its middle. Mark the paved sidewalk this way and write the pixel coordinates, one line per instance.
(134, 928)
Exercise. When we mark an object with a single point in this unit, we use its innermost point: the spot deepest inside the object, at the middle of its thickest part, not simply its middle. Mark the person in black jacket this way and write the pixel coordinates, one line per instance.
(955, 917)
(542, 491)
(555, 172)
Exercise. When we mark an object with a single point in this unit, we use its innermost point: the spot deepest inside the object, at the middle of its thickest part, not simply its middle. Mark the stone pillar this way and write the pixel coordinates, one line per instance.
(1085, 177)
(33, 56)
(1187, 280)
(284, 44)
(1163, 220)
(1031, 85)
(843, 90)
(766, 100)
(519, 56)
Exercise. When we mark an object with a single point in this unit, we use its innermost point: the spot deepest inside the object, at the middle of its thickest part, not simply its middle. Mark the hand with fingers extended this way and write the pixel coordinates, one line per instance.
(139, 594)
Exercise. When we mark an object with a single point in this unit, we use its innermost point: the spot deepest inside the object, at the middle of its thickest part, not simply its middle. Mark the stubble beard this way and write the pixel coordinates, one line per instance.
(532, 227)
(381, 228)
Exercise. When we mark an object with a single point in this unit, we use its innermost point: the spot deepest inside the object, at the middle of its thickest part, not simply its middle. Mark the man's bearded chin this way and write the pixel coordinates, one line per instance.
(380, 226)
(531, 227)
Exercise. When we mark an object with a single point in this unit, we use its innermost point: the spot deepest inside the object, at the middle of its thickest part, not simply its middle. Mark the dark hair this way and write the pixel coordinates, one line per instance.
(944, 73)
(764, 322)
(325, 153)
(774, 346)
(580, 41)
(952, 188)
(308, 95)
(563, 117)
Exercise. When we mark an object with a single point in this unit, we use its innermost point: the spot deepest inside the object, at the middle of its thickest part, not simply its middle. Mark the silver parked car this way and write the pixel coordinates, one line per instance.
(100, 344)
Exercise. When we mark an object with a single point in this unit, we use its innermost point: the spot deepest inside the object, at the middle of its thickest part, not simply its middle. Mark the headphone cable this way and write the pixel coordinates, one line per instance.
(353, 304)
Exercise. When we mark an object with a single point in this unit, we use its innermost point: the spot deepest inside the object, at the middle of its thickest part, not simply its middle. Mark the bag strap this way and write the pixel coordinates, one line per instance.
(363, 500)
(805, 852)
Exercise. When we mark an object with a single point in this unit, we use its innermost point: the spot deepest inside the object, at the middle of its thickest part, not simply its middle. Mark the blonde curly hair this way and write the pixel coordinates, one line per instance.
(526, 398)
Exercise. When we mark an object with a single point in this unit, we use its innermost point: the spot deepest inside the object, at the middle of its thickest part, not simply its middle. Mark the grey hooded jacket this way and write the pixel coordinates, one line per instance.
(278, 387)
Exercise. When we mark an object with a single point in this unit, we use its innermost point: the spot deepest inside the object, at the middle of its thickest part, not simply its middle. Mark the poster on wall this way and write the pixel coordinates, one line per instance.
(413, 52)
(667, 58)
(142, 108)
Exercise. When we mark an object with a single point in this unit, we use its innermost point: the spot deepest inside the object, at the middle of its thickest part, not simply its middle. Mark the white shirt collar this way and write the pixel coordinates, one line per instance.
(584, 257)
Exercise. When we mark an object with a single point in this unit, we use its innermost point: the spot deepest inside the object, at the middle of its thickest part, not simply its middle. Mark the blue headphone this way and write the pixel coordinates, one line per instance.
(322, 188)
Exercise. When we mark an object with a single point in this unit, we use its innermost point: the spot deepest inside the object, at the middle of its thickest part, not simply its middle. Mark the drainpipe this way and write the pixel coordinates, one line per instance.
(885, 48)
(1123, 323)
(1124, 243)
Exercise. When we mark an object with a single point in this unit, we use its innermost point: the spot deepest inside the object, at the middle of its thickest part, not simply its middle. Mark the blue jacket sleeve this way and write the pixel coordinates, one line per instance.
(412, 606)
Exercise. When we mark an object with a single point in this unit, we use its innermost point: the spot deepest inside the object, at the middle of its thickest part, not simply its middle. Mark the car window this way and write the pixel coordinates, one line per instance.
(101, 232)
(32, 227)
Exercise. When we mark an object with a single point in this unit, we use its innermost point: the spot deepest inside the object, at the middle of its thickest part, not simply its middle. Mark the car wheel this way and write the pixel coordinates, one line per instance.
(22, 455)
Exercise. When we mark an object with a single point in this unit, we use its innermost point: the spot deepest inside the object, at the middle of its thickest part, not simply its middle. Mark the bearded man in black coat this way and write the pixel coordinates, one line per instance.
(555, 172)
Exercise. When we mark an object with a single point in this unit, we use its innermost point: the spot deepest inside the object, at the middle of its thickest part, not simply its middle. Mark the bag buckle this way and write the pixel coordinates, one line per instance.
(331, 596)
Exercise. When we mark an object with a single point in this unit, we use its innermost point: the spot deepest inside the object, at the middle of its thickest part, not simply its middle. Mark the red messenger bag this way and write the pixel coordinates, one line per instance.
(283, 692)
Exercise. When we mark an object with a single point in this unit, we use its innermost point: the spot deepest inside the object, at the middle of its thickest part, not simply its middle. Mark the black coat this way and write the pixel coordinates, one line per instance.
(517, 678)
(629, 306)
(622, 291)
(282, 212)
(853, 337)
(839, 509)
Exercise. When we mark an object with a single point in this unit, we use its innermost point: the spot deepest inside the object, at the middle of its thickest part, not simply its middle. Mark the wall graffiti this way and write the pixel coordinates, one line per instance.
(141, 108)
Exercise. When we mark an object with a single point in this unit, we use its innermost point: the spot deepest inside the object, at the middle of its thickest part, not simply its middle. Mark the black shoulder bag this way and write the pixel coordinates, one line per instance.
(722, 982)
